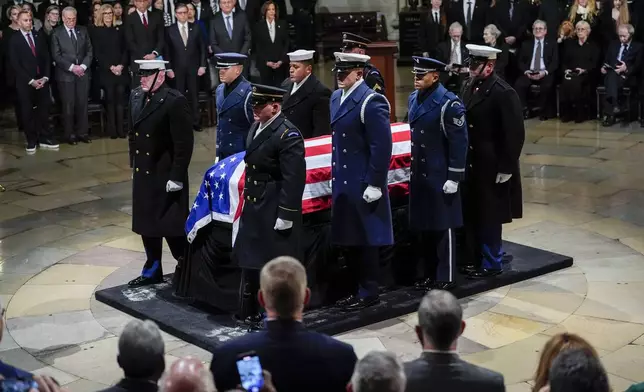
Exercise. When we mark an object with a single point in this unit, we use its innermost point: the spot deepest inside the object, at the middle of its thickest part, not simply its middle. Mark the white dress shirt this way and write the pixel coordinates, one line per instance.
(271, 29)
(436, 15)
(232, 21)
(71, 32)
(346, 93)
(266, 124)
(296, 86)
(542, 66)
(197, 10)
(465, 5)
(456, 46)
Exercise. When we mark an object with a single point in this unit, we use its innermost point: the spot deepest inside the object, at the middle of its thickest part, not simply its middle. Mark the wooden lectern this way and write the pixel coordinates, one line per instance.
(382, 56)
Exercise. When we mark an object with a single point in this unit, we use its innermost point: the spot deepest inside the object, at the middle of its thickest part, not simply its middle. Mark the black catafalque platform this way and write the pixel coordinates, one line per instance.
(210, 281)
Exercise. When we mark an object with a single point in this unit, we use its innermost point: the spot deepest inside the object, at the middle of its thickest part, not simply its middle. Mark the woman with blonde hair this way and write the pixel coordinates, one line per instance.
(552, 348)
(587, 11)
(612, 18)
(111, 59)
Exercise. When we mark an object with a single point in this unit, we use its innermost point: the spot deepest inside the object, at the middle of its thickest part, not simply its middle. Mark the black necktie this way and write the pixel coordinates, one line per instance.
(436, 20)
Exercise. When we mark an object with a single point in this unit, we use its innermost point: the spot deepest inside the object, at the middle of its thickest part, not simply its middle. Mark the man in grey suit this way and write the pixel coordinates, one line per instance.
(229, 31)
(441, 323)
(72, 53)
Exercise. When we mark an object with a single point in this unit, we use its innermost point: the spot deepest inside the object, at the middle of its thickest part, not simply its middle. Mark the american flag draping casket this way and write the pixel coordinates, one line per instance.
(220, 196)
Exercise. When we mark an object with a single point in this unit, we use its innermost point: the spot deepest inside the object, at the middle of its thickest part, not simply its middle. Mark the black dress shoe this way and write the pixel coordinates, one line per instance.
(84, 139)
(344, 301)
(360, 303)
(143, 281)
(526, 114)
(72, 141)
(254, 322)
(484, 273)
(114, 137)
(608, 121)
(466, 269)
(424, 284)
(447, 286)
(543, 117)
(197, 128)
(506, 258)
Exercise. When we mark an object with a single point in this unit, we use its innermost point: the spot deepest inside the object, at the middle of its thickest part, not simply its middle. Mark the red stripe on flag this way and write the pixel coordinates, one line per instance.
(240, 190)
(402, 136)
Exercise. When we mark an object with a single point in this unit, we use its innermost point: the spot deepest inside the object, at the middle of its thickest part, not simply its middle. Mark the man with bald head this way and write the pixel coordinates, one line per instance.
(322, 363)
(187, 375)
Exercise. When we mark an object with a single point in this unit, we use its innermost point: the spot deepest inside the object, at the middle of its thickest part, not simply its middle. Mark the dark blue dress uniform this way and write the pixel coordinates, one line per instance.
(438, 154)
(361, 155)
(496, 136)
(371, 75)
(273, 187)
(160, 145)
(234, 112)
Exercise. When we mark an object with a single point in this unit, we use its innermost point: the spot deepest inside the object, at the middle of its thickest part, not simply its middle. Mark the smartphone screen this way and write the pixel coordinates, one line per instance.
(250, 373)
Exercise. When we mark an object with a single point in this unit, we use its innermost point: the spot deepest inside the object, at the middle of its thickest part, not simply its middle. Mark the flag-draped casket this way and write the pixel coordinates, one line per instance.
(220, 195)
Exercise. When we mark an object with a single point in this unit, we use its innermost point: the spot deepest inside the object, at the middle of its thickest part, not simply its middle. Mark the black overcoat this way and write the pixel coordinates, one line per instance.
(273, 187)
(308, 108)
(161, 141)
(496, 134)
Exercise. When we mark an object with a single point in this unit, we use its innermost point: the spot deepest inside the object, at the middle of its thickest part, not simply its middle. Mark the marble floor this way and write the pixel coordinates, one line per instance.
(65, 230)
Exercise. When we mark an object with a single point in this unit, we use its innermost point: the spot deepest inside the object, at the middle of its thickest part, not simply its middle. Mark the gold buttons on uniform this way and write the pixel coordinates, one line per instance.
(255, 182)
(147, 153)
(254, 167)
(136, 134)
(137, 151)
(137, 169)
(254, 199)
(147, 172)
(147, 135)
(247, 197)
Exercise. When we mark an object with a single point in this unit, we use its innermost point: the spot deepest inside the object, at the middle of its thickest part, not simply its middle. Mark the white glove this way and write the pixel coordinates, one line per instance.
(281, 224)
(371, 194)
(450, 187)
(501, 178)
(172, 186)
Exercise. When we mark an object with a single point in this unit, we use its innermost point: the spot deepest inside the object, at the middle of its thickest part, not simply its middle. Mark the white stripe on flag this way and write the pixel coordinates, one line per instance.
(320, 189)
(324, 160)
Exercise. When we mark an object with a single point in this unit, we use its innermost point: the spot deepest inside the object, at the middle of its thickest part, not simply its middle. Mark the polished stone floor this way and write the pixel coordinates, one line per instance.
(65, 231)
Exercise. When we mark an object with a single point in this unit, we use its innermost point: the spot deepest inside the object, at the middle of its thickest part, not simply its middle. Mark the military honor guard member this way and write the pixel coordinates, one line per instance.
(492, 188)
(438, 153)
(306, 101)
(271, 220)
(161, 141)
(353, 43)
(234, 111)
(361, 153)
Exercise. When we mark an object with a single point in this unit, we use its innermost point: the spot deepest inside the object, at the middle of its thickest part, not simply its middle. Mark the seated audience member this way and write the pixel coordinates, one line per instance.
(491, 36)
(579, 64)
(538, 61)
(453, 53)
(187, 375)
(440, 319)
(552, 348)
(378, 371)
(577, 370)
(299, 360)
(566, 32)
(621, 68)
(8, 372)
(141, 356)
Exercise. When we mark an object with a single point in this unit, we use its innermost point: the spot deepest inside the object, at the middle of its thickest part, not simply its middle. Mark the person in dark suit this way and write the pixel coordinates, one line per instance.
(492, 193)
(112, 67)
(271, 220)
(610, 18)
(322, 362)
(202, 10)
(622, 66)
(378, 371)
(72, 53)
(552, 12)
(512, 18)
(453, 53)
(362, 143)
(579, 63)
(306, 102)
(31, 64)
(473, 15)
(253, 9)
(538, 61)
(140, 355)
(161, 142)
(229, 31)
(440, 325)
(438, 150)
(433, 28)
(271, 42)
(144, 35)
(186, 52)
